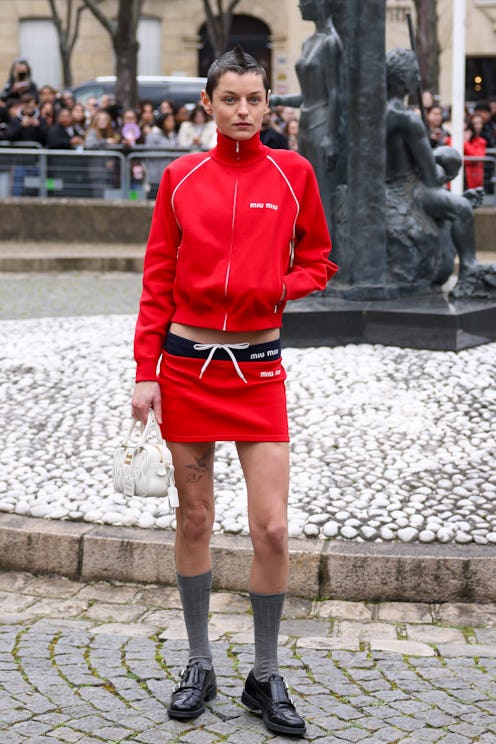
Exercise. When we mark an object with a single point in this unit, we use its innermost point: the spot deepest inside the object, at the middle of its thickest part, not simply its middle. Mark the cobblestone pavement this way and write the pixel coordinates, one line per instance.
(67, 293)
(97, 662)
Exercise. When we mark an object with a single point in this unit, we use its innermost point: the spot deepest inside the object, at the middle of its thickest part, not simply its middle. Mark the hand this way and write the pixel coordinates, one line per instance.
(146, 395)
(329, 153)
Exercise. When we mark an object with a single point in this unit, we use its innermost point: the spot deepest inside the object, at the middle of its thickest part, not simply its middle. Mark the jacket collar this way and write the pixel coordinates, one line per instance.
(238, 152)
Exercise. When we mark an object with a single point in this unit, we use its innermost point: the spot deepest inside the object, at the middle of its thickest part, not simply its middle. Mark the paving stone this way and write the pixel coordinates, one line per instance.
(407, 648)
(467, 614)
(115, 612)
(433, 634)
(343, 610)
(404, 612)
(465, 649)
(363, 631)
(53, 586)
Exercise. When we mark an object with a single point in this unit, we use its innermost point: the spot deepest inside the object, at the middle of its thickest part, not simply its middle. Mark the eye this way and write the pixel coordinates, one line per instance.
(254, 99)
(228, 99)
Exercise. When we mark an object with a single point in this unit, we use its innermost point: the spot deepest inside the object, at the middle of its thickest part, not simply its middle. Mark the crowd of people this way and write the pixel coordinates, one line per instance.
(54, 119)
(479, 137)
(42, 116)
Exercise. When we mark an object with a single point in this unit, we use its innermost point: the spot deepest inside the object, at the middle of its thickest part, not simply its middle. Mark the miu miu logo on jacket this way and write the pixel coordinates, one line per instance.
(264, 205)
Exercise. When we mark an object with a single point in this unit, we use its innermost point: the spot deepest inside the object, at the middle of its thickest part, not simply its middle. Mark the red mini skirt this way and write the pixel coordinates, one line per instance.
(220, 392)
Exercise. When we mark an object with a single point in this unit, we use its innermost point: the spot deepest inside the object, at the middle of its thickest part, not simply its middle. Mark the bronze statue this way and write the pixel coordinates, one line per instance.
(318, 71)
(427, 223)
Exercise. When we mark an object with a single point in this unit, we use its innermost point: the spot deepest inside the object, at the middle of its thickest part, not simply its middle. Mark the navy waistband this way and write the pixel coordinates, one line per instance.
(179, 346)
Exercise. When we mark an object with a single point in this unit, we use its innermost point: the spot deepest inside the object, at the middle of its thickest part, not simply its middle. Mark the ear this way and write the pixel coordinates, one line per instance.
(206, 103)
(267, 100)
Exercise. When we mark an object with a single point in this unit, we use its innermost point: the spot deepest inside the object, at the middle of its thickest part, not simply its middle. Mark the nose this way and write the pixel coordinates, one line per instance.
(243, 109)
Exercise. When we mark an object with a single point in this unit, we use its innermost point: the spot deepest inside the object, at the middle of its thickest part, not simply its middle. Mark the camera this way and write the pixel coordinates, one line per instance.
(23, 75)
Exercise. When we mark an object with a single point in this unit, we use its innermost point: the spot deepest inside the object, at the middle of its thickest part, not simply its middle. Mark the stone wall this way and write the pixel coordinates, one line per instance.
(74, 221)
(95, 221)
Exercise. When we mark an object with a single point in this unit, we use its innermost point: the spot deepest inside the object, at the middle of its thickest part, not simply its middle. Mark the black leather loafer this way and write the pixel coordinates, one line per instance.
(195, 687)
(271, 699)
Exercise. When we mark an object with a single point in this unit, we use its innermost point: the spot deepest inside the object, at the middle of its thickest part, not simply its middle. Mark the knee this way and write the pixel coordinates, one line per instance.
(272, 537)
(195, 523)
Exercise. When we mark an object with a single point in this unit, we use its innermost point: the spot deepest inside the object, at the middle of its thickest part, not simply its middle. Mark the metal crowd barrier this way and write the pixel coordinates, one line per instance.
(114, 174)
(485, 173)
(87, 174)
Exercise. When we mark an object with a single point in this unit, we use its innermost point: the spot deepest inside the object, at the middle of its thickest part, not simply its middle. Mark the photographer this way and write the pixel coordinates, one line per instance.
(19, 82)
(27, 126)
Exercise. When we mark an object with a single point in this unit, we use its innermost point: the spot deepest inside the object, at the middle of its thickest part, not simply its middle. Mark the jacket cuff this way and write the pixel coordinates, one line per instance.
(146, 369)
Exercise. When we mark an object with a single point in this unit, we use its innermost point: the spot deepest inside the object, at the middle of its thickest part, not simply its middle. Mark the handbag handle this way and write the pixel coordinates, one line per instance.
(150, 427)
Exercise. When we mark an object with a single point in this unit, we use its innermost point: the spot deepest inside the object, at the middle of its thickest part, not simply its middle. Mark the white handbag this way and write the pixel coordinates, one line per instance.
(143, 466)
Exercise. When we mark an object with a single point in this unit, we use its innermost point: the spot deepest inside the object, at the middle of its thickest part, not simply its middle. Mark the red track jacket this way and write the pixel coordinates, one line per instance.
(230, 227)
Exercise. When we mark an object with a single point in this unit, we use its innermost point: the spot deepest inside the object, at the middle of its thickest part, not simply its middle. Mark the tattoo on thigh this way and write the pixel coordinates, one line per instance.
(203, 465)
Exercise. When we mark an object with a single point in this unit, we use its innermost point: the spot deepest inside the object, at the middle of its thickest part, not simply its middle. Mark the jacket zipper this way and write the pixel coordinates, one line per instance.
(228, 270)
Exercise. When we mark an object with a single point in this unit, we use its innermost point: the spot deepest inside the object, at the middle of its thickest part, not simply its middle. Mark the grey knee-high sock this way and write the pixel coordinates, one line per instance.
(195, 597)
(267, 611)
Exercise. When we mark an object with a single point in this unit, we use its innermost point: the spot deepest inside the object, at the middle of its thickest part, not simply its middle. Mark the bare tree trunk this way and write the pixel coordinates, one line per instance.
(219, 22)
(427, 41)
(123, 33)
(67, 33)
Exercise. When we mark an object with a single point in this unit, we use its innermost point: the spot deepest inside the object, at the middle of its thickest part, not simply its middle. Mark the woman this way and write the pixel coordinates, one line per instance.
(475, 146)
(199, 131)
(102, 172)
(101, 133)
(438, 135)
(47, 113)
(164, 136)
(78, 114)
(19, 82)
(236, 232)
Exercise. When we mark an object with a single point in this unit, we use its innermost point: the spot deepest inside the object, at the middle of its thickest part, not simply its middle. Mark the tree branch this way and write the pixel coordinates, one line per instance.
(106, 22)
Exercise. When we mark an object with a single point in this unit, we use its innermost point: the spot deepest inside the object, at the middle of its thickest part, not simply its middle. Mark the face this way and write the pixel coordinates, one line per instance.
(64, 117)
(238, 104)
(129, 117)
(435, 117)
(92, 105)
(78, 112)
(169, 123)
(477, 123)
(310, 9)
(102, 120)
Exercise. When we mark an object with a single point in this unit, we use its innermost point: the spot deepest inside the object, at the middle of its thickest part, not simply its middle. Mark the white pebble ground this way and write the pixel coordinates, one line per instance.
(387, 444)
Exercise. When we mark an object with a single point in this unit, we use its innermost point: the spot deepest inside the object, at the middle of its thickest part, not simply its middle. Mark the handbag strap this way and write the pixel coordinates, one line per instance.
(150, 429)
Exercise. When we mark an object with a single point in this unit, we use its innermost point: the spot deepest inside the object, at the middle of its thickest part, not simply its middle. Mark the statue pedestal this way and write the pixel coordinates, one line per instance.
(422, 322)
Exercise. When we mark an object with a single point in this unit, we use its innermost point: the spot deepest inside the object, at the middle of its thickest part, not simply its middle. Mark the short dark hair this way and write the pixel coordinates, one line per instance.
(482, 106)
(238, 61)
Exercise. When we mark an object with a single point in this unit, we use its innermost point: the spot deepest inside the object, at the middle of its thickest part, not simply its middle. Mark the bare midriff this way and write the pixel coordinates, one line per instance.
(213, 336)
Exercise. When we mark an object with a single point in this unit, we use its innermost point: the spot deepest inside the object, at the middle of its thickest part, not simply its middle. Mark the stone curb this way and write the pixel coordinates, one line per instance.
(43, 257)
(318, 569)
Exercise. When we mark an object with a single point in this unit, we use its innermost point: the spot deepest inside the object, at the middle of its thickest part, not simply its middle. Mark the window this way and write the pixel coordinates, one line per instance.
(40, 47)
(480, 78)
(150, 41)
(250, 32)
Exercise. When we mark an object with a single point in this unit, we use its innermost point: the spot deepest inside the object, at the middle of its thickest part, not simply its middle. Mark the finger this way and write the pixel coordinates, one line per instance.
(157, 409)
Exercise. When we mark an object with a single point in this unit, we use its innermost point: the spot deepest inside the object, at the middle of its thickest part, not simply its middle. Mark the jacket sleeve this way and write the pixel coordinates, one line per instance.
(311, 268)
(157, 303)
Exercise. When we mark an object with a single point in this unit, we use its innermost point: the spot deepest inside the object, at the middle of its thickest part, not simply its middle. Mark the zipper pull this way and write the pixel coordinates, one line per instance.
(237, 148)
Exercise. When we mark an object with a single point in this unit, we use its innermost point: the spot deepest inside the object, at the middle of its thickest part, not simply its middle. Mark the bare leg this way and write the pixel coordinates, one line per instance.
(266, 470)
(193, 463)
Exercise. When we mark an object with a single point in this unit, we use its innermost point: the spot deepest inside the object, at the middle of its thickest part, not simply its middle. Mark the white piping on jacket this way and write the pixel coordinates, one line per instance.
(293, 239)
(183, 179)
(228, 270)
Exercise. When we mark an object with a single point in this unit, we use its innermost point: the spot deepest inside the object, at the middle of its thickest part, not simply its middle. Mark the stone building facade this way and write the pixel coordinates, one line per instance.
(172, 39)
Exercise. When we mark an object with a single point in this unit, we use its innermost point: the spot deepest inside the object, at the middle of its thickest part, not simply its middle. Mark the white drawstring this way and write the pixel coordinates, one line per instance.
(228, 349)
